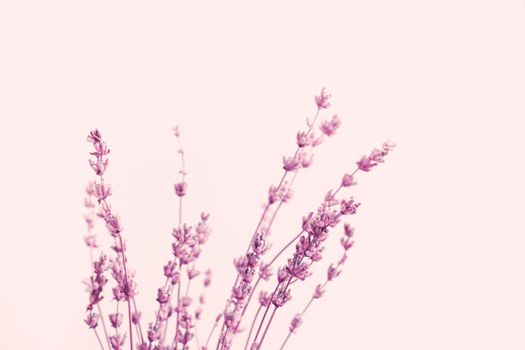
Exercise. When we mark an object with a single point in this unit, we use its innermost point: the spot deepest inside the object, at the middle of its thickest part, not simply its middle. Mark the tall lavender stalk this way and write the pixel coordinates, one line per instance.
(125, 285)
(96, 283)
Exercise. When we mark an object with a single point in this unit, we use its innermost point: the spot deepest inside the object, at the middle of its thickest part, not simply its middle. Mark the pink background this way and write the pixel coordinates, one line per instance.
(438, 261)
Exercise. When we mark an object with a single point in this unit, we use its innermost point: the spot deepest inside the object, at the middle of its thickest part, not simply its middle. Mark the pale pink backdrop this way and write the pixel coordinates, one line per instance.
(438, 261)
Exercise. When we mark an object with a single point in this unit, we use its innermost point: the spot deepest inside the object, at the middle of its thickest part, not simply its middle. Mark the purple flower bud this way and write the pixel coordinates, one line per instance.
(319, 292)
(348, 230)
(349, 207)
(163, 296)
(329, 127)
(192, 273)
(273, 195)
(198, 313)
(317, 141)
(287, 195)
(242, 291)
(135, 317)
(291, 164)
(99, 167)
(92, 320)
(348, 180)
(388, 146)
(306, 160)
(207, 278)
(317, 254)
(94, 136)
(153, 333)
(264, 298)
(180, 188)
(116, 319)
(322, 101)
(302, 139)
(119, 246)
(101, 149)
(102, 191)
(176, 131)
(169, 268)
(113, 225)
(259, 244)
(265, 271)
(186, 301)
(347, 243)
(333, 272)
(282, 275)
(281, 298)
(175, 278)
(204, 216)
(307, 222)
(118, 294)
(117, 341)
(91, 241)
(377, 155)
(296, 322)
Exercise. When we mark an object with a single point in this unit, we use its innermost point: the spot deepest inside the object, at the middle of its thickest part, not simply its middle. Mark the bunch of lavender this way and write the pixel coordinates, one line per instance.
(186, 248)
(250, 267)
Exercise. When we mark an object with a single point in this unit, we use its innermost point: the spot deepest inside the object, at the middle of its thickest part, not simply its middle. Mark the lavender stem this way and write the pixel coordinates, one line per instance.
(99, 340)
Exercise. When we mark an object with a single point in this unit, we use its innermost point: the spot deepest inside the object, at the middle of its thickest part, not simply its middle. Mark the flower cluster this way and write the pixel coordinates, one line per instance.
(366, 163)
(95, 284)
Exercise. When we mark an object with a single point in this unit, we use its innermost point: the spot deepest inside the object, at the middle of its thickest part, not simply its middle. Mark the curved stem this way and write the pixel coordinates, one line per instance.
(304, 311)
(99, 340)
(219, 341)
(211, 332)
(103, 324)
(285, 340)
(251, 327)
(286, 247)
(267, 327)
(128, 289)
(188, 288)
(197, 339)
(265, 313)
(175, 339)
